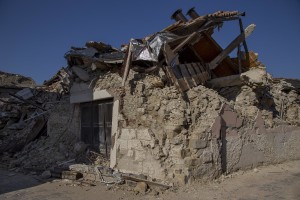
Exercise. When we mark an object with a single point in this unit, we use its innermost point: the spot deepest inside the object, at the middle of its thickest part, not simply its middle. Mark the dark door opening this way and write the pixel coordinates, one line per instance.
(96, 122)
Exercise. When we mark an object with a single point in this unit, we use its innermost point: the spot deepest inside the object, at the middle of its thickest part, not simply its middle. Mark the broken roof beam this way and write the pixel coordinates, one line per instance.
(184, 42)
(214, 63)
(128, 62)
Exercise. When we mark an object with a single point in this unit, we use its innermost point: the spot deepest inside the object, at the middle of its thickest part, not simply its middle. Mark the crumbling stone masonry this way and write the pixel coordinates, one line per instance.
(174, 139)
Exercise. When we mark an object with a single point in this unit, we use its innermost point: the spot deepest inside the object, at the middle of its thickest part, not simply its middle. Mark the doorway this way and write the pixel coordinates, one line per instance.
(96, 123)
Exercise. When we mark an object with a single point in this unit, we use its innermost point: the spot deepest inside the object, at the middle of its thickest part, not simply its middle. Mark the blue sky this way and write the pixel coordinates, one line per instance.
(35, 34)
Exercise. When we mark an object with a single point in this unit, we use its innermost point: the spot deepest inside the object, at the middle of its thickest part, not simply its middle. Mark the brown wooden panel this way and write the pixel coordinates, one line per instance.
(183, 85)
(186, 75)
(193, 74)
(199, 72)
(207, 48)
(204, 71)
(174, 79)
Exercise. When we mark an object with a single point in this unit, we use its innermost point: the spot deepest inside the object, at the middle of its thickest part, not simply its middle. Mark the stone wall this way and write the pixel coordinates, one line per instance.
(175, 138)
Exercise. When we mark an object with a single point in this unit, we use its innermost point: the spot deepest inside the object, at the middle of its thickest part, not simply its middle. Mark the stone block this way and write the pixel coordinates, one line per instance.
(123, 151)
(181, 179)
(171, 134)
(206, 157)
(140, 155)
(189, 162)
(122, 144)
(130, 153)
(141, 111)
(177, 152)
(46, 174)
(131, 183)
(196, 143)
(144, 134)
(135, 144)
(128, 134)
(141, 188)
(127, 165)
(147, 143)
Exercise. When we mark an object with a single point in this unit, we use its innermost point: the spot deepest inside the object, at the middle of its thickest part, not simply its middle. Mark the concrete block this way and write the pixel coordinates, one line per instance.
(128, 134)
(144, 134)
(82, 74)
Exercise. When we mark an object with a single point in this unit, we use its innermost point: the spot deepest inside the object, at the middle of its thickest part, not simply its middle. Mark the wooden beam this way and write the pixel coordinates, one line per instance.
(215, 62)
(184, 42)
(128, 61)
(226, 81)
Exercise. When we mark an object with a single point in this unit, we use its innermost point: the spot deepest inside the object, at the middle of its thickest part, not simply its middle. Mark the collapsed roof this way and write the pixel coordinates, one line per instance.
(185, 50)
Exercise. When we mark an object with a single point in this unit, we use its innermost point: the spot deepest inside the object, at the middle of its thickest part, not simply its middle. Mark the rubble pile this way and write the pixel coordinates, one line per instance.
(15, 80)
(25, 112)
(186, 109)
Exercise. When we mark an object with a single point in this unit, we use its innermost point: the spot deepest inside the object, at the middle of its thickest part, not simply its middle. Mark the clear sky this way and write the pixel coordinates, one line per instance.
(35, 34)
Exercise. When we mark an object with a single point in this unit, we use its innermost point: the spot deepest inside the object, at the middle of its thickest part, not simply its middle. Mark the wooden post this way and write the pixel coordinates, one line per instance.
(215, 62)
(128, 62)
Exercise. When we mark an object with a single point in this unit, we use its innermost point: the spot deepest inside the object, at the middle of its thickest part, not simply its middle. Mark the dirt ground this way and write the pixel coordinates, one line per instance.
(280, 181)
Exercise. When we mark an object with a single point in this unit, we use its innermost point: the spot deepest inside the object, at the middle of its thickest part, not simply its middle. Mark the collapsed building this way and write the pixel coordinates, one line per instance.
(174, 106)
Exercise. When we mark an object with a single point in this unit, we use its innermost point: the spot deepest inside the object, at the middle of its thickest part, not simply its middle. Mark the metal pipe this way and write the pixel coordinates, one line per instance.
(178, 16)
(192, 13)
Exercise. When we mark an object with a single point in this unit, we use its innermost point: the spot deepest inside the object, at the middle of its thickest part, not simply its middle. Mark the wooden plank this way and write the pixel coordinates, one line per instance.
(225, 81)
(167, 74)
(183, 85)
(186, 75)
(128, 62)
(177, 72)
(174, 79)
(199, 72)
(173, 72)
(171, 58)
(204, 71)
(207, 48)
(217, 60)
(193, 74)
(184, 42)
